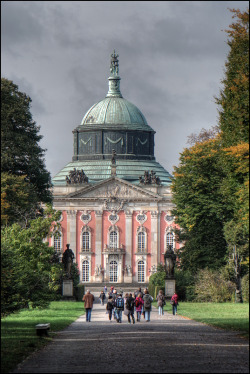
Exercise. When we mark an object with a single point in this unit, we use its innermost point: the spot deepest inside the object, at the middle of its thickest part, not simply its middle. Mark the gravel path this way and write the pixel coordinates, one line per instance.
(167, 344)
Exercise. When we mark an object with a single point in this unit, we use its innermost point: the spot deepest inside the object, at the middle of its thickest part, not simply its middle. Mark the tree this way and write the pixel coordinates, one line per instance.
(19, 199)
(21, 154)
(199, 207)
(233, 101)
(211, 183)
(29, 276)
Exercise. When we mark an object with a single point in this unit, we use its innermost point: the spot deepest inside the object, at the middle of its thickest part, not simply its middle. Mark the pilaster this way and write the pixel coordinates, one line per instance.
(71, 229)
(154, 238)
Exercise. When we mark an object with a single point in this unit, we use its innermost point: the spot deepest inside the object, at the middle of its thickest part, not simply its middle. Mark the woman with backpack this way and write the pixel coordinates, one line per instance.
(160, 302)
(138, 306)
(147, 305)
(174, 303)
(110, 306)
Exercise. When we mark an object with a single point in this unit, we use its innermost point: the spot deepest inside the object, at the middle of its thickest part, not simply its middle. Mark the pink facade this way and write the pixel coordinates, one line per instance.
(98, 252)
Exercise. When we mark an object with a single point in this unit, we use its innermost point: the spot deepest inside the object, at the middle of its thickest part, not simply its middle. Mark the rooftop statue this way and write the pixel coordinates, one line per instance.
(114, 64)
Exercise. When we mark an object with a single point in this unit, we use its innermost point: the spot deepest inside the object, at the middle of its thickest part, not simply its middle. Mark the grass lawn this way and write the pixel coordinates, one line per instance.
(228, 316)
(19, 337)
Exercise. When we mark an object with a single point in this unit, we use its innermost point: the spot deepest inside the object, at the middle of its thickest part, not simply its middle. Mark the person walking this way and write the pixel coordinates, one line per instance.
(88, 300)
(119, 304)
(160, 302)
(102, 297)
(147, 305)
(174, 302)
(114, 296)
(110, 307)
(129, 305)
(138, 306)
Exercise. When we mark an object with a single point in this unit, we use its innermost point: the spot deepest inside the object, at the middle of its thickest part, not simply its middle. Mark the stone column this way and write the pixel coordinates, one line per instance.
(71, 230)
(98, 242)
(154, 238)
(128, 275)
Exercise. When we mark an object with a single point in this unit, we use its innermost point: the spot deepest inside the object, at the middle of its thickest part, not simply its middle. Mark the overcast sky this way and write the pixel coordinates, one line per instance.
(171, 57)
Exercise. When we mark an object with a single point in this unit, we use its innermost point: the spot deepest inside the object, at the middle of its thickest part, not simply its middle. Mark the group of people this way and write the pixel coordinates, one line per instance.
(139, 303)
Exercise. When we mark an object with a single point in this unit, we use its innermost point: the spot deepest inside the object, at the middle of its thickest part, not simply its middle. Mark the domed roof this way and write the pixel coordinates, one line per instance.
(115, 112)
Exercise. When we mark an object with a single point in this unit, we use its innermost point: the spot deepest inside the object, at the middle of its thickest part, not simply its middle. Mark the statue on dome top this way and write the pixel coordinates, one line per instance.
(114, 64)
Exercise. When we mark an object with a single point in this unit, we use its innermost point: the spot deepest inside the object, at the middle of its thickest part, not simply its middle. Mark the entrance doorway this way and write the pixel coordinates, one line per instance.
(113, 271)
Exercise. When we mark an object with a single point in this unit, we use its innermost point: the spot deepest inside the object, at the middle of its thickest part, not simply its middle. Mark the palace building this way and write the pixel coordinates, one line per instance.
(114, 196)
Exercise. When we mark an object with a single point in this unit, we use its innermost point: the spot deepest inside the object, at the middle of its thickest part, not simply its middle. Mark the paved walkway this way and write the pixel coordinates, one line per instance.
(168, 344)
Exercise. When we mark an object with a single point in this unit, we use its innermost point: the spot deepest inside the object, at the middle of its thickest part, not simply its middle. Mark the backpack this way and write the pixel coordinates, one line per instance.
(137, 303)
(147, 303)
(120, 303)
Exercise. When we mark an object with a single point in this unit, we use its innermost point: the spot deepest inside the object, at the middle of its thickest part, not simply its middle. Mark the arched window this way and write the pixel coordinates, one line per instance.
(141, 272)
(85, 271)
(113, 239)
(141, 241)
(170, 240)
(85, 241)
(57, 242)
(113, 270)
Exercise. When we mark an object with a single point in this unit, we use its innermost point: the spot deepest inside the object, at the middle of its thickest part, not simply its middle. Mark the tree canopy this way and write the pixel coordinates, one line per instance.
(21, 155)
(211, 183)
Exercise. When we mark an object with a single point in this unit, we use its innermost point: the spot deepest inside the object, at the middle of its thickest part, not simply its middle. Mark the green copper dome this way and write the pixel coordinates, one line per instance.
(114, 139)
(115, 112)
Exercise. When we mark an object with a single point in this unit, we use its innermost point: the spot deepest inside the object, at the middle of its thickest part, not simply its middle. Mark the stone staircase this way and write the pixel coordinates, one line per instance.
(96, 288)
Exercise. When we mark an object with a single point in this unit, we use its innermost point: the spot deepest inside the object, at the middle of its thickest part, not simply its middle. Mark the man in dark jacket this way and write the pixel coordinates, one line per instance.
(130, 306)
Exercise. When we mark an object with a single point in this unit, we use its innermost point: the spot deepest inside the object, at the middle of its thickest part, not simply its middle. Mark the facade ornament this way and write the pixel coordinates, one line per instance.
(153, 269)
(150, 178)
(76, 177)
(113, 204)
(114, 64)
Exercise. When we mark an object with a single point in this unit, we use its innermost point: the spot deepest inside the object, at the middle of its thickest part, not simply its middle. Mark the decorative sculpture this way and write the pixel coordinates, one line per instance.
(67, 260)
(149, 178)
(170, 260)
(114, 64)
(77, 177)
(113, 160)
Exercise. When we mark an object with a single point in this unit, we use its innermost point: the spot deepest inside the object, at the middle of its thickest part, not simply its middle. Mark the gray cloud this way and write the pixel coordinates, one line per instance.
(171, 63)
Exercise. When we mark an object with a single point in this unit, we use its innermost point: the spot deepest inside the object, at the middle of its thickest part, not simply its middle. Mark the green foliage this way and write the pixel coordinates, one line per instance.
(28, 272)
(211, 184)
(245, 288)
(185, 281)
(20, 199)
(234, 97)
(210, 286)
(21, 154)
(80, 291)
(158, 278)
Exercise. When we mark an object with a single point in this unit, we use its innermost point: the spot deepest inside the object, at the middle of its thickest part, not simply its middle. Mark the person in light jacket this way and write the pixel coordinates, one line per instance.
(88, 300)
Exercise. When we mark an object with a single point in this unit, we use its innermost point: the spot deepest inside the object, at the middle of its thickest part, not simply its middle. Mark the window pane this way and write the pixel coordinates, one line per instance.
(57, 243)
(141, 241)
(170, 239)
(85, 271)
(113, 270)
(113, 239)
(141, 271)
(85, 241)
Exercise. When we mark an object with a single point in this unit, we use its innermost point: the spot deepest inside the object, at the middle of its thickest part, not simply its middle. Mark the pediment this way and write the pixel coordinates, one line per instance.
(113, 188)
